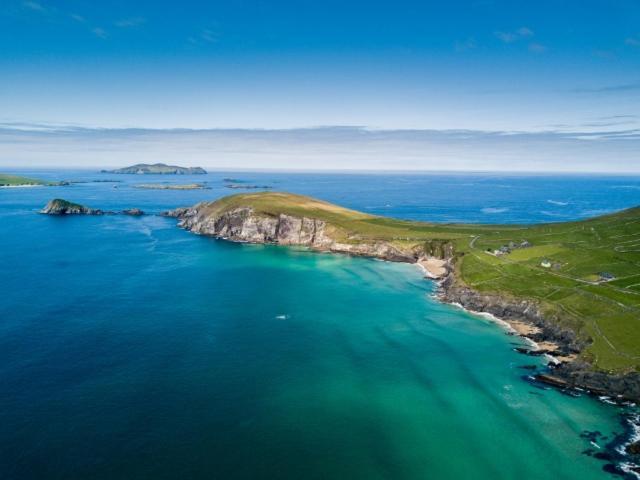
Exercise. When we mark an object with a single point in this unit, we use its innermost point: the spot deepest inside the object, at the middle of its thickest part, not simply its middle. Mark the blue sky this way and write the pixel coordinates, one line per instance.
(545, 69)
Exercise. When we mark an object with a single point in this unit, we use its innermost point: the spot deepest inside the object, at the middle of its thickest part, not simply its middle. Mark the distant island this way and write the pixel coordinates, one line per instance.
(167, 186)
(157, 169)
(570, 287)
(242, 186)
(59, 206)
(7, 181)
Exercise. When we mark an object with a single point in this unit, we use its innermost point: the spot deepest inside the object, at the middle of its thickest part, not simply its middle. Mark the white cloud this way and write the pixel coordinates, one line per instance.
(633, 41)
(510, 37)
(35, 6)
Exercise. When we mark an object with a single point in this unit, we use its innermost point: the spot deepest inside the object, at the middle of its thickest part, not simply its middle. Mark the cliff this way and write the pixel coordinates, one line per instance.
(243, 224)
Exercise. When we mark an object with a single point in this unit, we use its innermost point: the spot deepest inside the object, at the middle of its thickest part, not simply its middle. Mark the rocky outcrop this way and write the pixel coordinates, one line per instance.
(633, 448)
(58, 206)
(243, 224)
(581, 375)
(564, 375)
(511, 310)
(134, 212)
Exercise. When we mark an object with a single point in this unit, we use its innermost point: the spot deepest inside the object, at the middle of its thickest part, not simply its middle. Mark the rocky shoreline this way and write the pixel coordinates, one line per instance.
(566, 370)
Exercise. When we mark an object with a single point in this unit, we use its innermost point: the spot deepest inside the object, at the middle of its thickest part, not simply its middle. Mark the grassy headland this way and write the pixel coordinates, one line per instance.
(7, 180)
(584, 274)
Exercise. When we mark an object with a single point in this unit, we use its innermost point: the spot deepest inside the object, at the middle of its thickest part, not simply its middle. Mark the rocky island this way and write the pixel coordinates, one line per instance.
(157, 169)
(58, 206)
(591, 328)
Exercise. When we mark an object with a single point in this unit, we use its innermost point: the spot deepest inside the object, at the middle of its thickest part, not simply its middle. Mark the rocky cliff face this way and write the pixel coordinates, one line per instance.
(525, 311)
(244, 225)
(571, 374)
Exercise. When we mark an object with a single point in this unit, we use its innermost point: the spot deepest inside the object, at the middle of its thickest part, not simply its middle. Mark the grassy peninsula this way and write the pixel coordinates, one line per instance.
(7, 180)
(583, 275)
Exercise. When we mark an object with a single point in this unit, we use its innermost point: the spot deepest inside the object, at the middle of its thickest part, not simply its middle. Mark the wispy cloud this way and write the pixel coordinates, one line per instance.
(525, 32)
(514, 36)
(99, 32)
(77, 18)
(537, 48)
(130, 22)
(620, 88)
(613, 117)
(326, 148)
(469, 44)
(633, 41)
(205, 35)
(35, 6)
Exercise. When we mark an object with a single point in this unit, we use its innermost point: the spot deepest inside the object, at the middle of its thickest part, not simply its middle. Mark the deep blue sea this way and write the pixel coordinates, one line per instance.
(130, 349)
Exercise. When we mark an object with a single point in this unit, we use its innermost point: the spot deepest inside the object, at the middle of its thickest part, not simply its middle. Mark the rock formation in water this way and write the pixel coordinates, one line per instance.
(134, 212)
(59, 206)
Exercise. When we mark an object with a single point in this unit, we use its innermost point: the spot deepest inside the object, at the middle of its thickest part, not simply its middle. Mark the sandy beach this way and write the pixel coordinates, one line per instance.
(434, 268)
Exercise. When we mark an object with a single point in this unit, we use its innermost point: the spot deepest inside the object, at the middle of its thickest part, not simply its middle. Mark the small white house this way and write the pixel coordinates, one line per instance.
(545, 263)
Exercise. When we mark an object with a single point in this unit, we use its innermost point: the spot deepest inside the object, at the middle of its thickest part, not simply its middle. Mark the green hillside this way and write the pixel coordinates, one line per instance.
(7, 180)
(584, 273)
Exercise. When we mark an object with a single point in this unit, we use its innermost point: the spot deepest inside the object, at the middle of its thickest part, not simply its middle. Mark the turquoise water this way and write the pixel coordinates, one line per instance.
(132, 349)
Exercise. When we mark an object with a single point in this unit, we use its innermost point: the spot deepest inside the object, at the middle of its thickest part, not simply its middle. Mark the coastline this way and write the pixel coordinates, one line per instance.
(437, 270)
(566, 370)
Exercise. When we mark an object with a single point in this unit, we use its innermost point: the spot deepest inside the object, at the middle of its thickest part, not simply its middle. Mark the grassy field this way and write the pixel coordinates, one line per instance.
(16, 181)
(572, 289)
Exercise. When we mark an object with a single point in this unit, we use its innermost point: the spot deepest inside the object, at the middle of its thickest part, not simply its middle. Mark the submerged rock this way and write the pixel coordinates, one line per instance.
(58, 206)
(633, 448)
(134, 212)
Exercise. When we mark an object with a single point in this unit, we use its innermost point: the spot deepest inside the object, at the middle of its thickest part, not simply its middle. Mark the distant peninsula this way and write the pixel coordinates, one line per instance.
(8, 181)
(157, 169)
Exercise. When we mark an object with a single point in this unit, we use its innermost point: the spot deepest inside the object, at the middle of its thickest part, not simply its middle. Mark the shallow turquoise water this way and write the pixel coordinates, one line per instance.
(132, 349)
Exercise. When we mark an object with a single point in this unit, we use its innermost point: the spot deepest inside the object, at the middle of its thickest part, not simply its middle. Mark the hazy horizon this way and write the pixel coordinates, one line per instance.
(486, 85)
(321, 149)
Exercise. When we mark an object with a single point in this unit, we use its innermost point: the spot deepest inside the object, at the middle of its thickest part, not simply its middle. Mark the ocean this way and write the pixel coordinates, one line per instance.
(132, 349)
